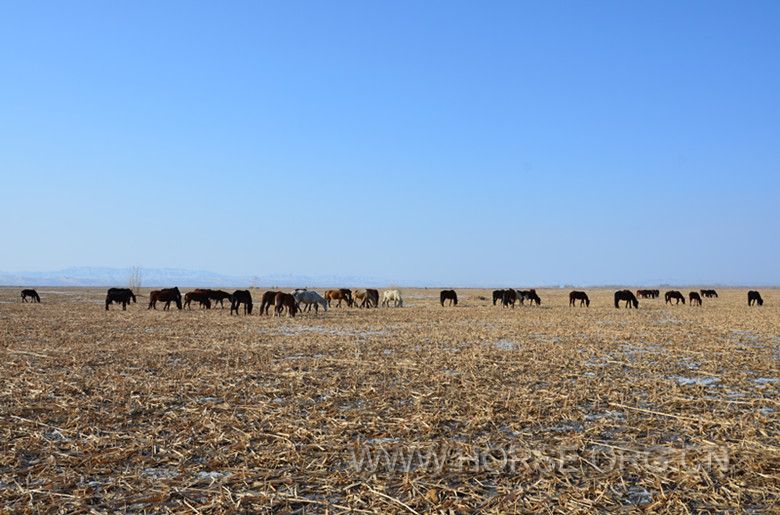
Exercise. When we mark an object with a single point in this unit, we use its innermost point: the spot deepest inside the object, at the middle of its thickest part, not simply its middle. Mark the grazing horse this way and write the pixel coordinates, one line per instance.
(755, 298)
(695, 298)
(241, 297)
(373, 297)
(498, 296)
(579, 296)
(32, 294)
(449, 295)
(368, 298)
(120, 296)
(268, 300)
(310, 298)
(709, 293)
(529, 295)
(674, 295)
(166, 295)
(393, 296)
(509, 298)
(199, 296)
(284, 301)
(645, 294)
(628, 297)
(219, 296)
(339, 295)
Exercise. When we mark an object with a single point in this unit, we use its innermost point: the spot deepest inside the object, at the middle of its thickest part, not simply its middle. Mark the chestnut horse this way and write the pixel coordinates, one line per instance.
(199, 296)
(32, 294)
(284, 301)
(339, 295)
(166, 295)
(628, 297)
(449, 295)
(579, 296)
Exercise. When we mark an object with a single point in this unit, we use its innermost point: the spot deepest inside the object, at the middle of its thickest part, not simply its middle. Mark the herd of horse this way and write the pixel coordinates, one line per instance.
(301, 299)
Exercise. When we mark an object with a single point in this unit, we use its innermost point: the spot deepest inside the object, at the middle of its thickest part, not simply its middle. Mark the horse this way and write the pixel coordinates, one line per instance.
(310, 298)
(673, 295)
(498, 295)
(268, 300)
(393, 296)
(709, 293)
(284, 301)
(166, 295)
(755, 298)
(219, 296)
(366, 298)
(695, 298)
(32, 294)
(241, 297)
(120, 296)
(579, 296)
(199, 296)
(530, 295)
(645, 294)
(509, 298)
(339, 295)
(628, 297)
(449, 295)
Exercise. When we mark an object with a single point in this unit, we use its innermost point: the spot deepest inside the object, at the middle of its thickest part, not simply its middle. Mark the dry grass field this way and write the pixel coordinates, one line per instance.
(418, 409)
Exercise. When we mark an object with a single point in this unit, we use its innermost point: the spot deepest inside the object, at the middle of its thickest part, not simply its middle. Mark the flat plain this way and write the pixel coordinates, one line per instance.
(413, 409)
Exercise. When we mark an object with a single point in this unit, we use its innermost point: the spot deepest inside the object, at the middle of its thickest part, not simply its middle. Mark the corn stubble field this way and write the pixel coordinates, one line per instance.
(422, 408)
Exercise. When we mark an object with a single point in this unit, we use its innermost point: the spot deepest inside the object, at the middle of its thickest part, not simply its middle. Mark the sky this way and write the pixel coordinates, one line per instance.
(437, 142)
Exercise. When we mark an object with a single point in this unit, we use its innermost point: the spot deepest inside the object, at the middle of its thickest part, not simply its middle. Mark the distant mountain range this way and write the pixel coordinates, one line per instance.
(152, 277)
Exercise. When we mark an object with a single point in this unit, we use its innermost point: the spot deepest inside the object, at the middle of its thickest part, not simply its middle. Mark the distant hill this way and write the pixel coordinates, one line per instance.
(105, 276)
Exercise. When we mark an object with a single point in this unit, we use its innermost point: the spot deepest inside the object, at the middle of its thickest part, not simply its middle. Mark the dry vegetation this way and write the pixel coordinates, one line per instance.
(532, 409)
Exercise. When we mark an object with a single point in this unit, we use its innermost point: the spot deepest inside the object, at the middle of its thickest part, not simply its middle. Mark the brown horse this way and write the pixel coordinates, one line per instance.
(755, 298)
(448, 295)
(241, 297)
(646, 294)
(32, 294)
(120, 296)
(284, 301)
(674, 295)
(628, 297)
(339, 295)
(199, 296)
(219, 296)
(166, 295)
(694, 298)
(268, 300)
(579, 296)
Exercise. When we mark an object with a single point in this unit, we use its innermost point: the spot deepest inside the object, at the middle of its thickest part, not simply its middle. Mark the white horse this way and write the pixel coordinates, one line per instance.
(393, 296)
(309, 298)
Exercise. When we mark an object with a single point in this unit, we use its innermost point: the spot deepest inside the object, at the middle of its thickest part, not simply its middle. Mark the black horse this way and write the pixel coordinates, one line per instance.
(498, 296)
(694, 298)
(120, 296)
(509, 298)
(709, 293)
(219, 296)
(579, 296)
(241, 297)
(755, 298)
(32, 294)
(372, 297)
(166, 295)
(529, 295)
(449, 295)
(673, 295)
(627, 296)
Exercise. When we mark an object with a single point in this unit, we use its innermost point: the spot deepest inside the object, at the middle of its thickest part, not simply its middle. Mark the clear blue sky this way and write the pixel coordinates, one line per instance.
(440, 142)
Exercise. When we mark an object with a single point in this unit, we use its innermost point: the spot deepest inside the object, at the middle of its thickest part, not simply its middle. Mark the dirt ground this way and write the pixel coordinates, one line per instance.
(415, 409)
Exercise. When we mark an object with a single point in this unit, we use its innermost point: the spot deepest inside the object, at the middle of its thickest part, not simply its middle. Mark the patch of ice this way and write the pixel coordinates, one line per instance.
(638, 496)
(505, 345)
(213, 475)
(160, 473)
(698, 381)
(766, 380)
(766, 411)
